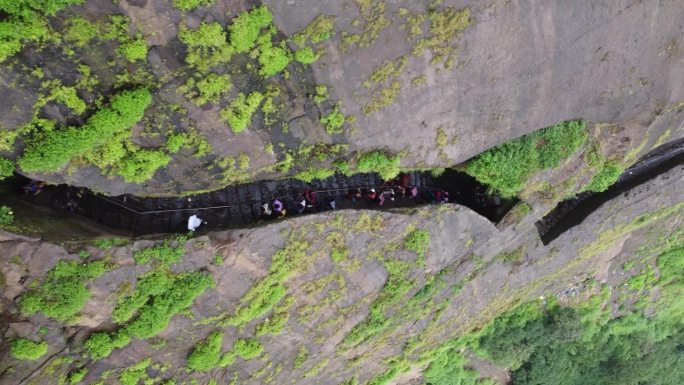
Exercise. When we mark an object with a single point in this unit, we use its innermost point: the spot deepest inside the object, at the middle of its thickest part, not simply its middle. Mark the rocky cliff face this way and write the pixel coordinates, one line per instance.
(436, 83)
(361, 291)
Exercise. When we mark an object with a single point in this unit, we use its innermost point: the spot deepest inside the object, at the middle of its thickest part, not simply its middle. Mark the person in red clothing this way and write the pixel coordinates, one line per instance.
(310, 197)
(404, 180)
(371, 194)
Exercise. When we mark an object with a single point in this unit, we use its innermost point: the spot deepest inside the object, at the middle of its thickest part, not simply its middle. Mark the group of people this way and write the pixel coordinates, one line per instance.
(396, 189)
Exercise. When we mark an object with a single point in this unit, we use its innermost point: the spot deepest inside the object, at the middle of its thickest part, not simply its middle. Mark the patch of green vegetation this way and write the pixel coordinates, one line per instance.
(140, 166)
(134, 49)
(418, 241)
(318, 30)
(6, 215)
(101, 344)
(63, 292)
(306, 55)
(511, 256)
(80, 31)
(449, 367)
(149, 285)
(69, 97)
(313, 173)
(379, 161)
(159, 296)
(519, 211)
(77, 376)
(207, 46)
(275, 323)
(187, 5)
(23, 349)
(321, 94)
(272, 59)
(395, 288)
(314, 370)
(445, 25)
(373, 14)
(6, 168)
(507, 167)
(246, 27)
(334, 121)
(388, 70)
(176, 141)
(302, 355)
(239, 113)
(132, 375)
(163, 253)
(419, 81)
(54, 149)
(25, 22)
(382, 98)
(266, 293)
(206, 354)
(247, 348)
(607, 175)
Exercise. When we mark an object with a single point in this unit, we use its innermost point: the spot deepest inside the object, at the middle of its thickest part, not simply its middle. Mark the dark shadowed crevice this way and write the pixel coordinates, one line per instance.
(572, 212)
(239, 205)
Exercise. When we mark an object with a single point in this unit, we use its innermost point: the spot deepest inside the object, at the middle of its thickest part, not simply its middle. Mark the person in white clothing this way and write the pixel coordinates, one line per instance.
(194, 222)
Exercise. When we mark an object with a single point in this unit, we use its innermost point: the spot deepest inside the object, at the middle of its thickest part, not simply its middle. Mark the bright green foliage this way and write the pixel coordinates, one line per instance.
(607, 176)
(313, 173)
(418, 241)
(68, 97)
(25, 22)
(321, 94)
(27, 7)
(239, 113)
(507, 167)
(247, 348)
(134, 49)
(100, 344)
(273, 59)
(77, 376)
(211, 88)
(306, 55)
(134, 374)
(80, 31)
(334, 121)
(53, 150)
(207, 35)
(320, 29)
(23, 349)
(448, 368)
(265, 294)
(149, 285)
(155, 315)
(246, 26)
(175, 141)
(140, 166)
(275, 323)
(187, 5)
(6, 215)
(207, 46)
(590, 344)
(159, 296)
(378, 161)
(63, 292)
(206, 354)
(6, 168)
(15, 31)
